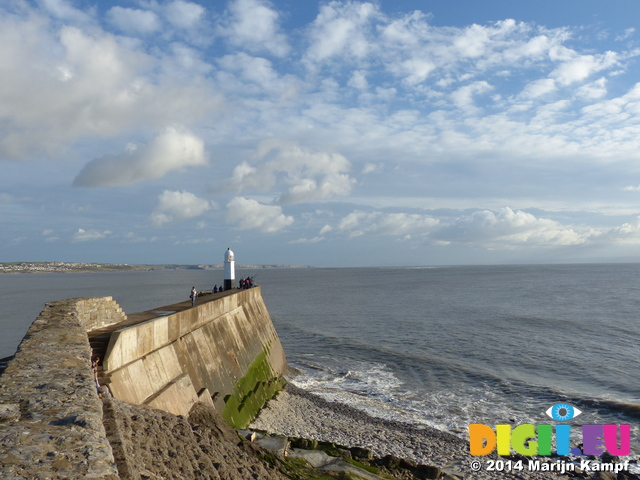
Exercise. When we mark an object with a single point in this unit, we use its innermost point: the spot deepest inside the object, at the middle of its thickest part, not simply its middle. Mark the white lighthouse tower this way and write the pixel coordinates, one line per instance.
(229, 270)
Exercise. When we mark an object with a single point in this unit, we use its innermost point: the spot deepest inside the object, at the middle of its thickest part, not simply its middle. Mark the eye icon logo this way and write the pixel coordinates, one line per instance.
(562, 412)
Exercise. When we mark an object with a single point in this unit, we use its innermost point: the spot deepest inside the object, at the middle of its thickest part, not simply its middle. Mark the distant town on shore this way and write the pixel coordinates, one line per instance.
(75, 267)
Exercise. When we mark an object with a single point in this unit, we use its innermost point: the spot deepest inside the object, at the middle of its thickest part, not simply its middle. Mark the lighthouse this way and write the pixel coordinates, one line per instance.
(229, 270)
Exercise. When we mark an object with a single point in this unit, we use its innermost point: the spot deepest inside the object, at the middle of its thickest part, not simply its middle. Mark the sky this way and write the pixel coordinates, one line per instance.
(338, 133)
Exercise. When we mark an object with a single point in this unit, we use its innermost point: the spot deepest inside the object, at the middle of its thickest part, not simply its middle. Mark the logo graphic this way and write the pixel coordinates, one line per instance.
(530, 440)
(562, 412)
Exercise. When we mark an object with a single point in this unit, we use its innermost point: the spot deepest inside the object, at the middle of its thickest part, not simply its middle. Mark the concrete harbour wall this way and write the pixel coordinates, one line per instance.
(224, 351)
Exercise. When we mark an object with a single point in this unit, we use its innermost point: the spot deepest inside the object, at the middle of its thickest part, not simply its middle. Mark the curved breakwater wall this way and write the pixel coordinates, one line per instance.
(224, 351)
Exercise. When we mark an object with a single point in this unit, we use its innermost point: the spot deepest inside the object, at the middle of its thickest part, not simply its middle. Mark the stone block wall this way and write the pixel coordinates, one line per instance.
(98, 312)
(50, 413)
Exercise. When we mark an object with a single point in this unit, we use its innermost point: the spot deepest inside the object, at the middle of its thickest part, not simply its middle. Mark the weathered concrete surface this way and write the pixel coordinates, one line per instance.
(224, 351)
(57, 432)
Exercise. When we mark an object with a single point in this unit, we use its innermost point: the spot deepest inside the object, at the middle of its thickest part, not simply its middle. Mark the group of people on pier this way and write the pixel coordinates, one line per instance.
(245, 283)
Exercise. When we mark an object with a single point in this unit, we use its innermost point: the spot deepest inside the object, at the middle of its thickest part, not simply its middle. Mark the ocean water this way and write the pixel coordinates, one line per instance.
(441, 346)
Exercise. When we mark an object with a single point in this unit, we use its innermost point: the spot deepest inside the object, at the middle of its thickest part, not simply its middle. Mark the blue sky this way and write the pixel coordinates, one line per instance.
(336, 133)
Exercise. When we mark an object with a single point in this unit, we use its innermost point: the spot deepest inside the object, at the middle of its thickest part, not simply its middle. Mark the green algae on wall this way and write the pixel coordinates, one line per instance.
(252, 391)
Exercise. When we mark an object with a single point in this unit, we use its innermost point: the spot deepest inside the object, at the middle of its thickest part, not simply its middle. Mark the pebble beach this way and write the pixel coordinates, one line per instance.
(298, 413)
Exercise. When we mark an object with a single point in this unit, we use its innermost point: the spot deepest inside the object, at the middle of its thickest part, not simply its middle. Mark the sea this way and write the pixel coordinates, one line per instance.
(443, 347)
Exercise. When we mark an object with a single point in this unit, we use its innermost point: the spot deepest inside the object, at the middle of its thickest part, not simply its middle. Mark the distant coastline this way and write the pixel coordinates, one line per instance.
(78, 267)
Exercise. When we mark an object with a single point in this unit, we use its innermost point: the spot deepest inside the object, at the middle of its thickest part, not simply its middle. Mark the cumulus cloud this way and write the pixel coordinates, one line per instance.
(174, 149)
(341, 28)
(508, 228)
(625, 234)
(176, 206)
(83, 83)
(87, 80)
(311, 176)
(249, 214)
(576, 68)
(184, 14)
(254, 26)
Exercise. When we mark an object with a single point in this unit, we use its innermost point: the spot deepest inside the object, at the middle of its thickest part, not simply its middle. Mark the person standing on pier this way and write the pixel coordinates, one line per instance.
(193, 296)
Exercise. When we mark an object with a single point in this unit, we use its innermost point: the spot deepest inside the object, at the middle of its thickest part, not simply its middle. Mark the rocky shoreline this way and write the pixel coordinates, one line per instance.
(297, 413)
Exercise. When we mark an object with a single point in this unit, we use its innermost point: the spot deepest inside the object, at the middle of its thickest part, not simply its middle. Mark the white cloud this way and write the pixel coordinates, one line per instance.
(539, 88)
(49, 236)
(326, 229)
(626, 234)
(64, 10)
(593, 90)
(508, 228)
(626, 34)
(358, 80)
(307, 240)
(580, 67)
(184, 14)
(256, 70)
(83, 83)
(249, 214)
(89, 235)
(359, 223)
(474, 40)
(254, 26)
(176, 206)
(311, 176)
(415, 70)
(172, 150)
(133, 20)
(309, 190)
(372, 168)
(463, 98)
(341, 29)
